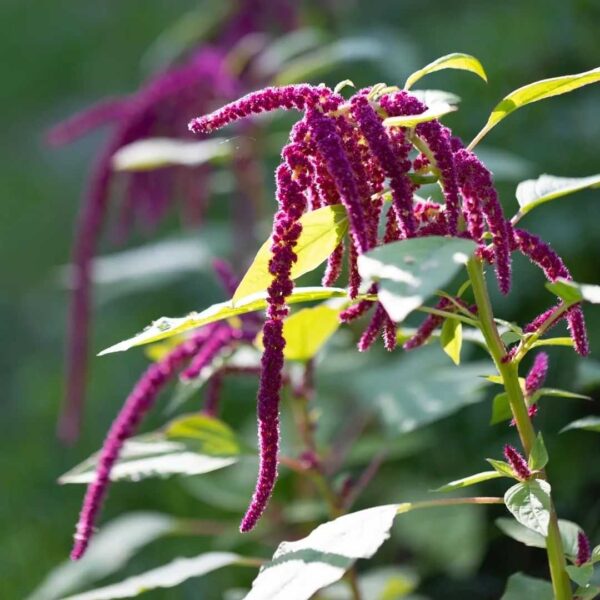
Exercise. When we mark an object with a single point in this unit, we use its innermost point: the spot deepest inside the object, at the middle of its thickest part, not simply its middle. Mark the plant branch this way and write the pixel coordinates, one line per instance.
(509, 372)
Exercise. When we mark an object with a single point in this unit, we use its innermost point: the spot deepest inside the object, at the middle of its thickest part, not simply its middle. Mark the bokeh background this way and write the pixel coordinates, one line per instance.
(61, 55)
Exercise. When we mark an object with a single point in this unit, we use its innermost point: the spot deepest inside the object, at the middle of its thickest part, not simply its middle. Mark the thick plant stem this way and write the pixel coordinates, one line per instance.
(509, 371)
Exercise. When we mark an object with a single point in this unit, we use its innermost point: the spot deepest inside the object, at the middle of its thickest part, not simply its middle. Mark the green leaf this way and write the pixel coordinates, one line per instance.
(322, 231)
(573, 292)
(409, 271)
(301, 568)
(596, 554)
(540, 90)
(157, 153)
(110, 549)
(433, 97)
(150, 455)
(204, 434)
(538, 458)
(530, 503)
(533, 192)
(586, 423)
(568, 533)
(587, 593)
(430, 389)
(557, 341)
(386, 583)
(503, 468)
(580, 575)
(451, 339)
(523, 587)
(555, 392)
(500, 409)
(167, 576)
(166, 327)
(456, 60)
(470, 480)
(435, 111)
(307, 330)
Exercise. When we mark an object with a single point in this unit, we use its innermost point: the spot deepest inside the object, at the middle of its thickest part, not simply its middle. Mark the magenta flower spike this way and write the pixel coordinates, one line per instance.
(139, 402)
(517, 462)
(334, 265)
(370, 333)
(537, 374)
(394, 166)
(584, 551)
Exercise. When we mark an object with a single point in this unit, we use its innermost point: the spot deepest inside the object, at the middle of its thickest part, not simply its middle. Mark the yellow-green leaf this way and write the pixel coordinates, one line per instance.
(203, 434)
(322, 231)
(533, 192)
(307, 330)
(434, 112)
(166, 327)
(456, 60)
(451, 339)
(539, 90)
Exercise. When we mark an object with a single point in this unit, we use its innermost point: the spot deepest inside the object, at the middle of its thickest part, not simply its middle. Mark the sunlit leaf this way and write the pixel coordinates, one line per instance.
(306, 331)
(571, 291)
(503, 468)
(530, 504)
(301, 568)
(433, 97)
(386, 583)
(150, 456)
(409, 271)
(167, 576)
(430, 388)
(204, 434)
(435, 111)
(456, 60)
(538, 457)
(523, 587)
(110, 549)
(322, 231)
(166, 327)
(586, 423)
(539, 90)
(156, 153)
(470, 480)
(451, 339)
(533, 192)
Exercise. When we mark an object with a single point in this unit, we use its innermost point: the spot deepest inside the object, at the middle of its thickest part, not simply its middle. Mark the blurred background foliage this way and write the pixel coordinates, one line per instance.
(61, 55)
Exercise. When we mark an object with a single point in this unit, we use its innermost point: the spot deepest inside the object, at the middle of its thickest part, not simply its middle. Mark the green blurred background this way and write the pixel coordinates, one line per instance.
(61, 55)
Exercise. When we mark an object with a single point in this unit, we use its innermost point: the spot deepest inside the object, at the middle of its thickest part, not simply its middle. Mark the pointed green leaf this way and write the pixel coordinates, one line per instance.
(539, 90)
(555, 392)
(451, 339)
(470, 480)
(589, 592)
(435, 111)
(502, 467)
(456, 60)
(533, 192)
(557, 341)
(322, 231)
(500, 409)
(523, 587)
(538, 458)
(571, 291)
(586, 423)
(306, 331)
(166, 327)
(204, 434)
(150, 455)
(157, 153)
(409, 271)
(301, 568)
(580, 575)
(568, 533)
(529, 502)
(110, 550)
(167, 576)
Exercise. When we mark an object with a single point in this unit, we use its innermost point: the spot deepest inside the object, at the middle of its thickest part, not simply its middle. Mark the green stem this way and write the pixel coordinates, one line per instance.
(509, 372)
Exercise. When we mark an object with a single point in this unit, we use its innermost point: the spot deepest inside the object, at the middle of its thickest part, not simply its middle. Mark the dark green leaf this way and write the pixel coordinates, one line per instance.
(523, 587)
(538, 457)
(586, 423)
(500, 409)
(580, 575)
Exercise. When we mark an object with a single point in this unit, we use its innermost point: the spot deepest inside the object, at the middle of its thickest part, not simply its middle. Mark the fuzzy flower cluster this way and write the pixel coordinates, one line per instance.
(340, 152)
(187, 360)
(517, 462)
(158, 109)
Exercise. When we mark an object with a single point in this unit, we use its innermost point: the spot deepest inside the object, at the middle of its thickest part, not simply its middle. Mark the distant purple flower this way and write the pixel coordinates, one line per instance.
(584, 551)
(517, 462)
(537, 374)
